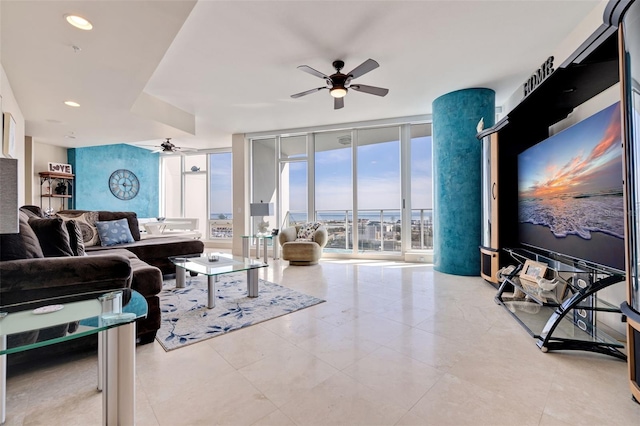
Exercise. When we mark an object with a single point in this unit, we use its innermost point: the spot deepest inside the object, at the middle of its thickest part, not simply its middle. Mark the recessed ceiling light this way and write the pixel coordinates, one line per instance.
(72, 104)
(78, 22)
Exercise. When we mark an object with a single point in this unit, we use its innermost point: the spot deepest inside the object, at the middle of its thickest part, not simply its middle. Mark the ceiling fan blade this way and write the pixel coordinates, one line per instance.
(155, 151)
(372, 90)
(363, 68)
(317, 89)
(338, 103)
(308, 69)
(184, 149)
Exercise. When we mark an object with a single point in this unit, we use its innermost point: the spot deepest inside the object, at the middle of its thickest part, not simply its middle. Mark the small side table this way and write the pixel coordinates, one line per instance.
(101, 314)
(259, 239)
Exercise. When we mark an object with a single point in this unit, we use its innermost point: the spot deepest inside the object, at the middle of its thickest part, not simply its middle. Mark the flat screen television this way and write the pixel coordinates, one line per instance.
(570, 192)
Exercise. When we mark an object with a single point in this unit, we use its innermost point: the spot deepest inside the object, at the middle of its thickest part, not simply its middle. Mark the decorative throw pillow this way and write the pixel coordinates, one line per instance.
(75, 238)
(86, 221)
(307, 230)
(114, 232)
(53, 236)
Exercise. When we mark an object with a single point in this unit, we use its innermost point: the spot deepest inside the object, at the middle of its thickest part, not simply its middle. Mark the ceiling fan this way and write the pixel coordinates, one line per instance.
(339, 83)
(167, 147)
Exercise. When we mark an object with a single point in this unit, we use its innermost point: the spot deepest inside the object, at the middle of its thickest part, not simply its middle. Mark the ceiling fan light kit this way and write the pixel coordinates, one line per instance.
(338, 92)
(339, 83)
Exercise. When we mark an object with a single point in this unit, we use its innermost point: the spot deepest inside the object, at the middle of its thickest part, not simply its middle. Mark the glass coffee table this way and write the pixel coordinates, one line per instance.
(213, 265)
(99, 313)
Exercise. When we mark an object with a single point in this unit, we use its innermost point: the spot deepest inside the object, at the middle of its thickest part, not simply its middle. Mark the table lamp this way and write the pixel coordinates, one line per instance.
(261, 210)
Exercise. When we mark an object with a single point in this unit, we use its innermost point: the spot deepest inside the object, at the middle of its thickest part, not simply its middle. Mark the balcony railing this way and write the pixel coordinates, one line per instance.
(221, 229)
(378, 230)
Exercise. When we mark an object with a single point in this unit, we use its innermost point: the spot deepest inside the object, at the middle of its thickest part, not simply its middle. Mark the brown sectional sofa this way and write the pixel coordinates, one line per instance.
(154, 251)
(138, 265)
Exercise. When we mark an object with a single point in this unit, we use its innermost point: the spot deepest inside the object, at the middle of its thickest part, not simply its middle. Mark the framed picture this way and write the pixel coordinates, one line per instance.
(9, 136)
(532, 270)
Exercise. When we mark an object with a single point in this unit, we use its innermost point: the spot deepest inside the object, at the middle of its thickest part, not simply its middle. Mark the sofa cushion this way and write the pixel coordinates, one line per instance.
(114, 232)
(156, 251)
(12, 247)
(52, 235)
(75, 237)
(29, 238)
(104, 216)
(87, 223)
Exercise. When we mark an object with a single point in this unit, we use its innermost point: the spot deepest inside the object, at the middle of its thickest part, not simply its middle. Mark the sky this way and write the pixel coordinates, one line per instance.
(378, 178)
(584, 158)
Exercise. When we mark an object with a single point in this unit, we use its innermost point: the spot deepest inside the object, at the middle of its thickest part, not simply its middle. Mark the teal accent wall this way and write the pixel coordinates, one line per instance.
(93, 167)
(457, 178)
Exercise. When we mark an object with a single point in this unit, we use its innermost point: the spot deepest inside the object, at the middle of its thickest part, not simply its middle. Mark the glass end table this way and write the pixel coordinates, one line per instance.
(260, 238)
(97, 313)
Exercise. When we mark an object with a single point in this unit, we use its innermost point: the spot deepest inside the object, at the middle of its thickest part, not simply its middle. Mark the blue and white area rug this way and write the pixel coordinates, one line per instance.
(186, 318)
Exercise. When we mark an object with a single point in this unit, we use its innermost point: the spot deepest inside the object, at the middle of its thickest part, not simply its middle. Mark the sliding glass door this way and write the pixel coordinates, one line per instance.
(370, 187)
(334, 188)
(378, 190)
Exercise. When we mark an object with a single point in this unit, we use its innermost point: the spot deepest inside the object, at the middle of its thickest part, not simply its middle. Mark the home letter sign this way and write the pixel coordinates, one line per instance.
(539, 76)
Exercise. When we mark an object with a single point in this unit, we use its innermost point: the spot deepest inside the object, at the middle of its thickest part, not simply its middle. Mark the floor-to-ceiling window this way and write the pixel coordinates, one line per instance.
(264, 179)
(220, 196)
(198, 186)
(334, 188)
(294, 199)
(378, 190)
(195, 184)
(369, 185)
(421, 187)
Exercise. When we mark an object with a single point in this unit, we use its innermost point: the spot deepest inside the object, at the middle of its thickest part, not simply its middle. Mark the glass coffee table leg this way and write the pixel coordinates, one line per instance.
(245, 247)
(3, 380)
(181, 277)
(252, 282)
(211, 291)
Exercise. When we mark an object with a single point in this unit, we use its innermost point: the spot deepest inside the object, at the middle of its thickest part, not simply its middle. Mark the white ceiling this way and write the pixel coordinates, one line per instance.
(231, 65)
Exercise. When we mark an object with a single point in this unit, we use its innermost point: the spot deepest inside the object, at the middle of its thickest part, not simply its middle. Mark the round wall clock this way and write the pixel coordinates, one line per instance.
(124, 184)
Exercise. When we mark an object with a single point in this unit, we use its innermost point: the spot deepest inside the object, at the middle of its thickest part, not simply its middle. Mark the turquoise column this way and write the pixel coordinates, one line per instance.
(457, 179)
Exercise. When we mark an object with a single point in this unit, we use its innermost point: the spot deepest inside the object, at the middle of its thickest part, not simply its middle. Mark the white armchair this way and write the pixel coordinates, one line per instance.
(303, 248)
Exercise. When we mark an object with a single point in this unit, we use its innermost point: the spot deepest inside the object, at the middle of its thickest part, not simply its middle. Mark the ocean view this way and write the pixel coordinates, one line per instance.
(390, 216)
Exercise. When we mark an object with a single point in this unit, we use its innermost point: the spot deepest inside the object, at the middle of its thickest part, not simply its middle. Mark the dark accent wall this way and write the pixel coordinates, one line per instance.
(93, 167)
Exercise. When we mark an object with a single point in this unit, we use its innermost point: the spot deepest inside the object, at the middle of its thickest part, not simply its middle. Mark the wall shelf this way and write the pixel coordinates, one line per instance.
(52, 179)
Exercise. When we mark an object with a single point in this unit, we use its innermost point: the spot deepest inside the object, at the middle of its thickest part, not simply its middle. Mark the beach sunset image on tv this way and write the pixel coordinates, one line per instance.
(570, 191)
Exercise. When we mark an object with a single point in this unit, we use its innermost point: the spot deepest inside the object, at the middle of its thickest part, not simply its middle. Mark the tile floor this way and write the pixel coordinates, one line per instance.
(395, 344)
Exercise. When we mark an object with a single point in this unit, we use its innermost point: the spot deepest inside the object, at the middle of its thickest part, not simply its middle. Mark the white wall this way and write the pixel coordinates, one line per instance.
(10, 105)
(42, 155)
(561, 52)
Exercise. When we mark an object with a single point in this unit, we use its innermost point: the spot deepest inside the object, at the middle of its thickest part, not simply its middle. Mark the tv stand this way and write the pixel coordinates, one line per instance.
(557, 322)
